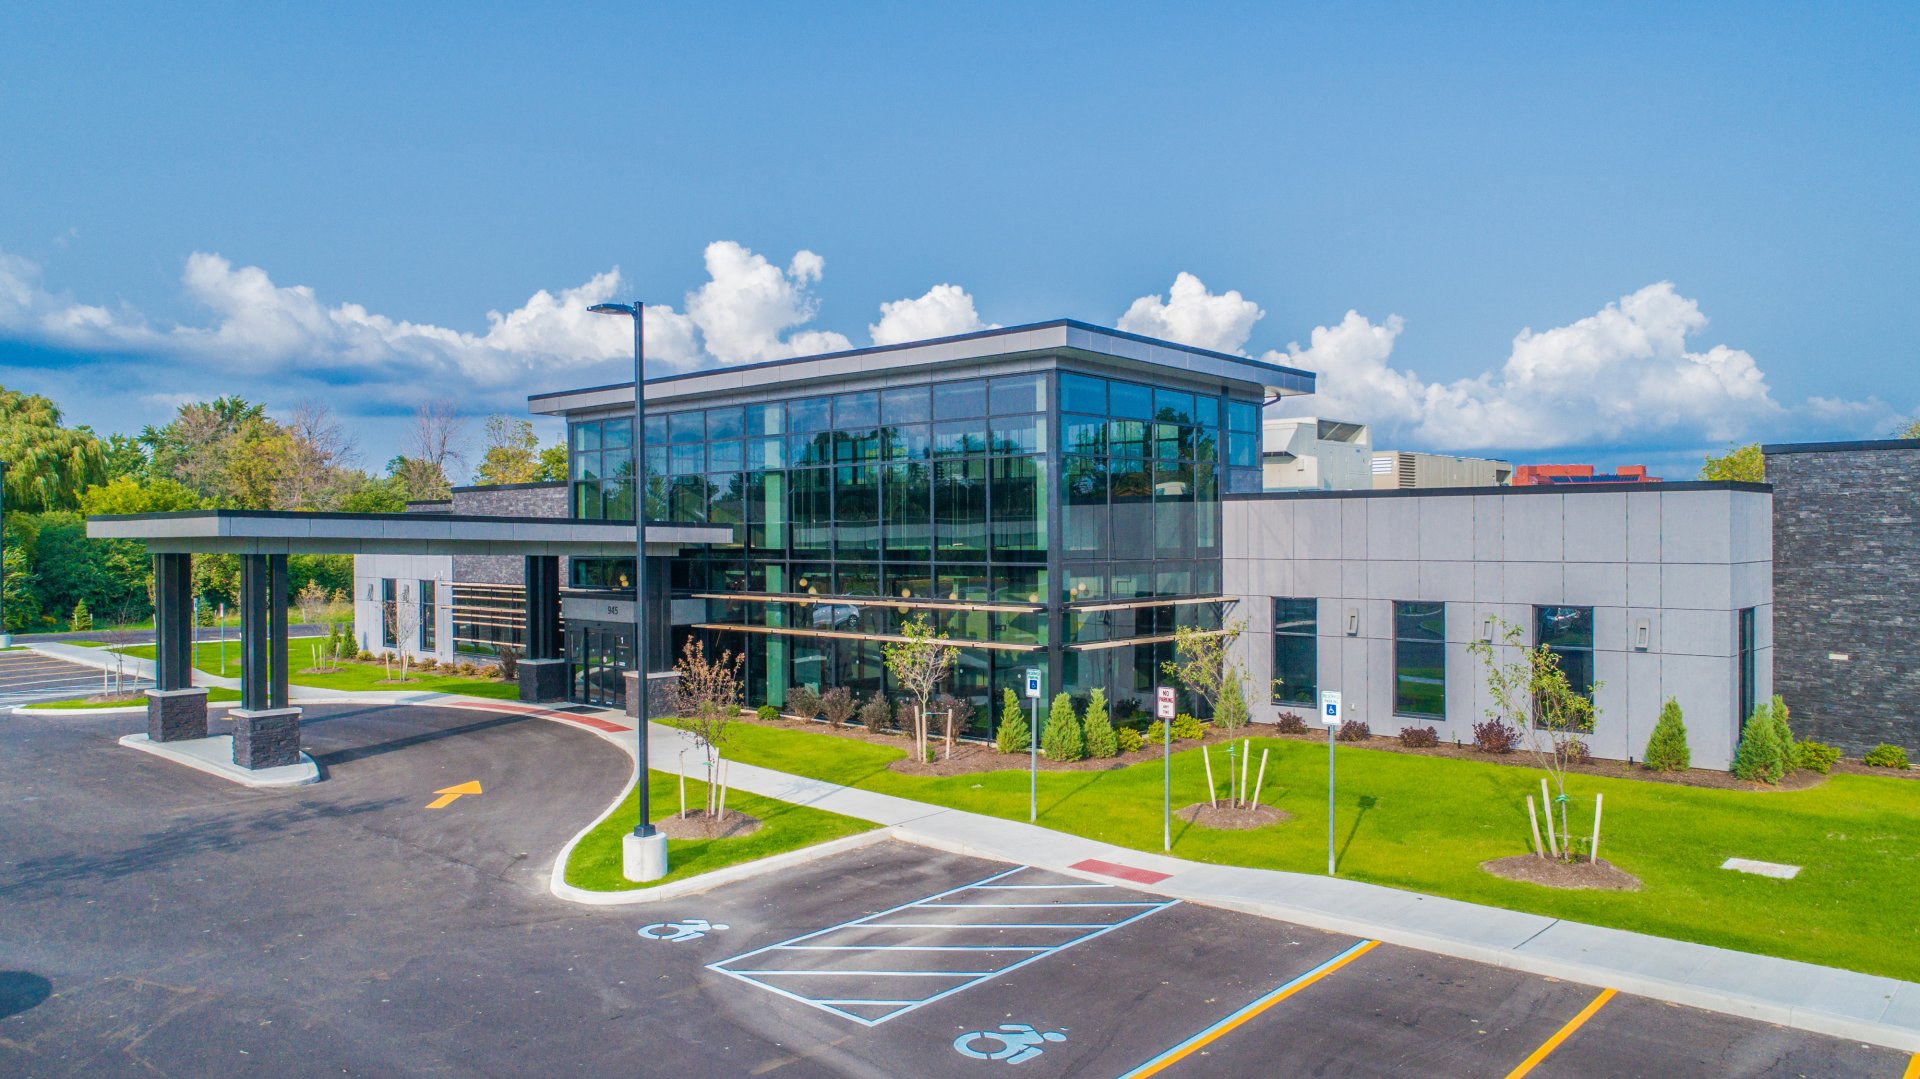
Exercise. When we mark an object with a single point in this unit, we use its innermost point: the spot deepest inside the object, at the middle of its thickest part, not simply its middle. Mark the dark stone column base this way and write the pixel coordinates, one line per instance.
(266, 738)
(176, 715)
(663, 694)
(543, 681)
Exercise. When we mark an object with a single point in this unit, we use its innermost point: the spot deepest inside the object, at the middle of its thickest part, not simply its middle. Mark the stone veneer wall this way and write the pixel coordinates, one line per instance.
(510, 500)
(1846, 534)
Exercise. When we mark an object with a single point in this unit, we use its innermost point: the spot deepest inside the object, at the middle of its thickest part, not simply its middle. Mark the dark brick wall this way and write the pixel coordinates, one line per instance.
(1846, 580)
(519, 500)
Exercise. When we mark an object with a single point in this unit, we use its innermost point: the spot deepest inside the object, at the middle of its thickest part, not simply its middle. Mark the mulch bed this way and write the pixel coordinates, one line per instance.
(1692, 777)
(1532, 869)
(1225, 815)
(698, 825)
(971, 757)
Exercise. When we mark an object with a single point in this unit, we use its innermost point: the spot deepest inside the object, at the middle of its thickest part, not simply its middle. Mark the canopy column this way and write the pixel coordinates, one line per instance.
(543, 673)
(176, 709)
(266, 728)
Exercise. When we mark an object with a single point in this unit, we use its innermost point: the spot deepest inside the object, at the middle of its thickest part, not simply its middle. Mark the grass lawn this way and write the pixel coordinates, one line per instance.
(215, 695)
(1425, 824)
(595, 864)
(351, 677)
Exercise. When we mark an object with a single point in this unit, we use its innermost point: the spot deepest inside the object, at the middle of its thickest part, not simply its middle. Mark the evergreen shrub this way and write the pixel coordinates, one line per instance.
(1667, 747)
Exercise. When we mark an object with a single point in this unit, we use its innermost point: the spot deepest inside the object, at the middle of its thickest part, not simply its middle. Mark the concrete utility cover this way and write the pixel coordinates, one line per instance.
(1762, 869)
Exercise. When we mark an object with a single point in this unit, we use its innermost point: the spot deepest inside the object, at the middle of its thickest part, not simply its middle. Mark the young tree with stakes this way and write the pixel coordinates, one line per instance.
(709, 695)
(1531, 693)
(1200, 659)
(918, 665)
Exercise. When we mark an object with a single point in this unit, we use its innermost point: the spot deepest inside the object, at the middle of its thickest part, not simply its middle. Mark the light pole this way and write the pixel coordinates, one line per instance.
(644, 852)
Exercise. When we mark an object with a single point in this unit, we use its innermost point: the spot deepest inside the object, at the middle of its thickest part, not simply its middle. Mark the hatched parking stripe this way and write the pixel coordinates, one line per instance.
(833, 975)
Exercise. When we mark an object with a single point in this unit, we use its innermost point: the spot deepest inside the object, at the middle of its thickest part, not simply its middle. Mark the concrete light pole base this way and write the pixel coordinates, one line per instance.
(643, 858)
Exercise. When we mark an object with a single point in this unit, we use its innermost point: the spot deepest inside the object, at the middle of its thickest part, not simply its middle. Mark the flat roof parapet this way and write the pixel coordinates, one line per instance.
(1517, 492)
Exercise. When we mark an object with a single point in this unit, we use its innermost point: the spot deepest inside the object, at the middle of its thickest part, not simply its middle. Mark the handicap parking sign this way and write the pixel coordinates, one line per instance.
(1330, 708)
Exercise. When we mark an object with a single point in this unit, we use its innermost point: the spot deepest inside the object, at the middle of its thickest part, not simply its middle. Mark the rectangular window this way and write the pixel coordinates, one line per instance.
(1420, 660)
(683, 427)
(427, 616)
(908, 404)
(1749, 684)
(809, 416)
(856, 410)
(954, 400)
(764, 419)
(1568, 634)
(1296, 651)
(388, 601)
(1082, 393)
(1020, 393)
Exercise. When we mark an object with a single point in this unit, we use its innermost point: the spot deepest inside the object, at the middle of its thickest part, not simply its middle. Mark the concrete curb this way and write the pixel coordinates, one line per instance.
(704, 881)
(293, 775)
(114, 710)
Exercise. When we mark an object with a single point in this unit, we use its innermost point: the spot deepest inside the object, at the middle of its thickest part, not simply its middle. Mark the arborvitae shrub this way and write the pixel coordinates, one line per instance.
(1128, 739)
(1760, 758)
(1783, 731)
(1815, 756)
(1667, 747)
(1100, 738)
(1063, 740)
(1013, 735)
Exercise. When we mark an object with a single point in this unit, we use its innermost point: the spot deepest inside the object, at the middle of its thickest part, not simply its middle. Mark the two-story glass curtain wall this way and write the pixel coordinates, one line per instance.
(853, 512)
(1140, 476)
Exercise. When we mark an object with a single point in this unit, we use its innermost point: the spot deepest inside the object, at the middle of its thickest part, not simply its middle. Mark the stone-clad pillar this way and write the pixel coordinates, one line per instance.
(176, 709)
(266, 729)
(543, 673)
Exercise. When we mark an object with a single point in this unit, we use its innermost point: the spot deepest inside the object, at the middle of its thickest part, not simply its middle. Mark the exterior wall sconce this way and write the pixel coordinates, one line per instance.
(1486, 627)
(1353, 621)
(1643, 635)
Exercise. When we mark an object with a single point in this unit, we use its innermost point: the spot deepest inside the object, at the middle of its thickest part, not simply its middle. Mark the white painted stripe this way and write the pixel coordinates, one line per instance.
(1022, 905)
(989, 925)
(916, 947)
(837, 972)
(1037, 887)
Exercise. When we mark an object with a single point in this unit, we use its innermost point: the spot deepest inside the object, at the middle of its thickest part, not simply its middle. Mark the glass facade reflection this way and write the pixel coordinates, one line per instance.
(1041, 518)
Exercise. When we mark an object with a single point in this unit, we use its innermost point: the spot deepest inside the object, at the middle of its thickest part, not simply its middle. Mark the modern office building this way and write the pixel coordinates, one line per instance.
(1064, 497)
(1307, 453)
(1644, 596)
(1846, 528)
(1048, 495)
(1404, 470)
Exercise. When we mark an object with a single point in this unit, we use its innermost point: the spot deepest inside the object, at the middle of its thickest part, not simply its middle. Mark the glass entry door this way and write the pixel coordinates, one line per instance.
(599, 655)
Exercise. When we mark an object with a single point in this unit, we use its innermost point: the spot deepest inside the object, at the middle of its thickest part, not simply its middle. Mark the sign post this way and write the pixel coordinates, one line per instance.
(1033, 744)
(1330, 715)
(1163, 711)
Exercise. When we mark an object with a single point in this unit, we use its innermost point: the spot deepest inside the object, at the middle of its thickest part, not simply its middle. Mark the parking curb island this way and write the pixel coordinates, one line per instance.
(214, 756)
(702, 882)
(1803, 996)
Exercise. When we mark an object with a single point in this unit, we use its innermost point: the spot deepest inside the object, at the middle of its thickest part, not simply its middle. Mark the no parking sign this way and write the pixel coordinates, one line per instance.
(1163, 708)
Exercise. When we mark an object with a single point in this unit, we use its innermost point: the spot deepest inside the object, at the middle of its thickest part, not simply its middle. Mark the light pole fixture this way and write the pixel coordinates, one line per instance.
(644, 852)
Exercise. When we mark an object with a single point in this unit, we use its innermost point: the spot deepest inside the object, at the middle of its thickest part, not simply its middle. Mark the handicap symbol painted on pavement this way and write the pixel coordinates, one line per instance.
(1017, 1041)
(675, 932)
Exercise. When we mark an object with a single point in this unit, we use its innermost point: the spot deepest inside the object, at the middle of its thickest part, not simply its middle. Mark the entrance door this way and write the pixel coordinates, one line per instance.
(600, 654)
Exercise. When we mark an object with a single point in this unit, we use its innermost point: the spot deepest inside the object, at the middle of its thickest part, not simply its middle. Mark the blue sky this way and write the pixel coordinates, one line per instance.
(1706, 217)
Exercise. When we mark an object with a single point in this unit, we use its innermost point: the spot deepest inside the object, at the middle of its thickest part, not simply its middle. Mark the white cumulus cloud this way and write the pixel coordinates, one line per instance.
(1624, 372)
(748, 303)
(945, 310)
(1193, 316)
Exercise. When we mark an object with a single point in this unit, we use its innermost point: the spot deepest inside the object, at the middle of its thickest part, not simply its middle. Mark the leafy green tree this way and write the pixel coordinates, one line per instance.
(195, 447)
(1200, 659)
(511, 453)
(918, 665)
(48, 465)
(82, 619)
(1013, 735)
(124, 494)
(1063, 739)
(107, 575)
(20, 606)
(126, 456)
(1760, 758)
(1744, 464)
(1912, 430)
(553, 463)
(1098, 733)
(1667, 747)
(375, 496)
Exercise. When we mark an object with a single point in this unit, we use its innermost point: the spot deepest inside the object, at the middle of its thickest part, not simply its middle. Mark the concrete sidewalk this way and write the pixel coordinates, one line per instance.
(1881, 1011)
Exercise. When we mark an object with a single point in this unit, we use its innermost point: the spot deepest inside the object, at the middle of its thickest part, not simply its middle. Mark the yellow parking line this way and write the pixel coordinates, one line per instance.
(1208, 1036)
(1913, 1068)
(1561, 1035)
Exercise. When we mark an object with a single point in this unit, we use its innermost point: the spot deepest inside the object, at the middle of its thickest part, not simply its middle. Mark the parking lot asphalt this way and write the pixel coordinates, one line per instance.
(28, 676)
(158, 921)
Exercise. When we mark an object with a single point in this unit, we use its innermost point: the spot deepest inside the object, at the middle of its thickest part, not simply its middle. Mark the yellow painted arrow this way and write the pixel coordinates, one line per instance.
(449, 794)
